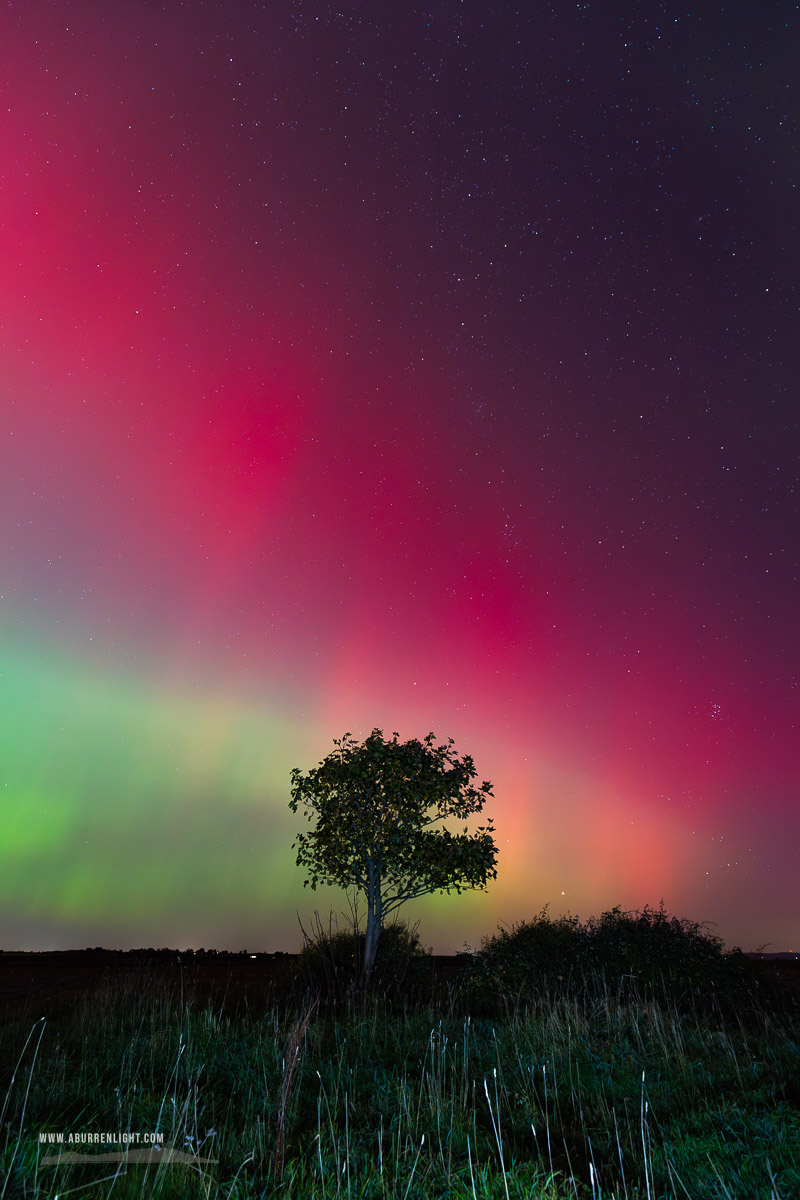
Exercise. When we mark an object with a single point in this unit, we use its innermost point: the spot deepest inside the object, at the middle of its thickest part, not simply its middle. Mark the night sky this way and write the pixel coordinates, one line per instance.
(421, 367)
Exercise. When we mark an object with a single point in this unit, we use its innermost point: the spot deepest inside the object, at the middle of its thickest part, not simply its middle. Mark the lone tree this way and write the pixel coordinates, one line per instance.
(375, 803)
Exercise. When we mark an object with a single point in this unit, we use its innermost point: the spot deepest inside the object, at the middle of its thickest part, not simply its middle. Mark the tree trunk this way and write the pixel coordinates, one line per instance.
(374, 921)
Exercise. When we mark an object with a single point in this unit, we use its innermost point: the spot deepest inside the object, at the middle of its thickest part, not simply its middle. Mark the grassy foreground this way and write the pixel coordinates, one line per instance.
(593, 1094)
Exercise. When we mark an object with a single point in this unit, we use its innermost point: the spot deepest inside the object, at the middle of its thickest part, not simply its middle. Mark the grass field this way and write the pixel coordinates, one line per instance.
(597, 1090)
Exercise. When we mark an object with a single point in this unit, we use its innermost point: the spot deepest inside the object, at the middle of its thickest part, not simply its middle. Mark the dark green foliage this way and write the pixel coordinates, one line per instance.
(330, 964)
(375, 804)
(656, 951)
(638, 954)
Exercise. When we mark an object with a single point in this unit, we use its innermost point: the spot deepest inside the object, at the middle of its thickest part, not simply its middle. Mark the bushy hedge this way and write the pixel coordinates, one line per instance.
(639, 954)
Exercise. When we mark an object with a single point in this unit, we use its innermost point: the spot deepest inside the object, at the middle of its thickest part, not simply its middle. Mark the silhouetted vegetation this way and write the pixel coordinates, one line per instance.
(376, 804)
(330, 965)
(636, 954)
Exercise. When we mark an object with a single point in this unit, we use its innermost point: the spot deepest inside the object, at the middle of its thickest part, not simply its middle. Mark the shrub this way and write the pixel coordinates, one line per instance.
(533, 955)
(330, 964)
(659, 952)
(637, 954)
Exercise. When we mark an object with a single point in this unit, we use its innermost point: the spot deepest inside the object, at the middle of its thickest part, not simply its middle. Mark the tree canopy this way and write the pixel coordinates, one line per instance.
(376, 804)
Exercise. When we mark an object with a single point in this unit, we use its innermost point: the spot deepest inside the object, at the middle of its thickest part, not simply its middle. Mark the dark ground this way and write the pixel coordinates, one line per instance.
(41, 984)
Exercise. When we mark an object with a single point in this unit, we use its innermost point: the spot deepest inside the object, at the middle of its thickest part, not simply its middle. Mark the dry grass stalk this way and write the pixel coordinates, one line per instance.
(290, 1060)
